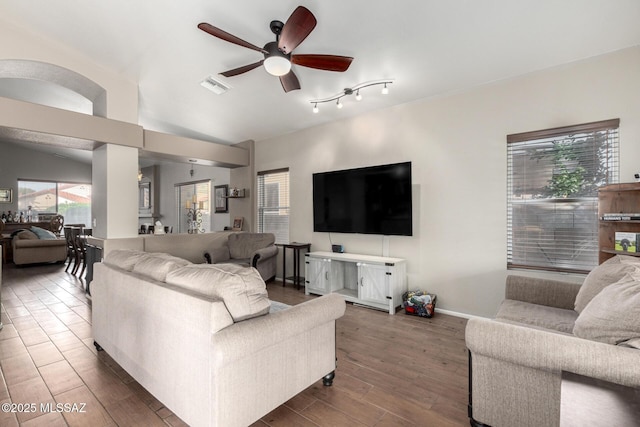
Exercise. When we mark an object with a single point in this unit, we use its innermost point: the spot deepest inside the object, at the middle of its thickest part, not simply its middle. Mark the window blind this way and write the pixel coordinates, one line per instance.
(273, 203)
(553, 177)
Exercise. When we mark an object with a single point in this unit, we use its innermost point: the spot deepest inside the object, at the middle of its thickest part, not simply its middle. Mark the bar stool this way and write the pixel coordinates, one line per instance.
(71, 233)
(80, 249)
(71, 256)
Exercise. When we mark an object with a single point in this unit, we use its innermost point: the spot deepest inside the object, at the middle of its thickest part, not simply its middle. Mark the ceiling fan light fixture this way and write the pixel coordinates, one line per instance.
(277, 65)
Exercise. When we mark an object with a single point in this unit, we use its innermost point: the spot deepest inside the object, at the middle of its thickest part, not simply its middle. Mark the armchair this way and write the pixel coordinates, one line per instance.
(256, 250)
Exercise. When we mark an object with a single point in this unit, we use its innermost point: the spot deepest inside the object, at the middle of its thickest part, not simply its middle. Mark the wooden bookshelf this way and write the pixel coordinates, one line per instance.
(622, 199)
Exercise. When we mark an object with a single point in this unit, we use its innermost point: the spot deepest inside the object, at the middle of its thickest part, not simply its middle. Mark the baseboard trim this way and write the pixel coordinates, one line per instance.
(458, 314)
(438, 310)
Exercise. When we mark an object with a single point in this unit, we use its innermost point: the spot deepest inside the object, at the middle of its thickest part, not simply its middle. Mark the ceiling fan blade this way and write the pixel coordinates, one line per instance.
(296, 29)
(289, 82)
(323, 62)
(217, 32)
(243, 69)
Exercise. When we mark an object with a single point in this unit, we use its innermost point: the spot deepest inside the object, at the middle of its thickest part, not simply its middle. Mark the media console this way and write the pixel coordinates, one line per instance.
(372, 281)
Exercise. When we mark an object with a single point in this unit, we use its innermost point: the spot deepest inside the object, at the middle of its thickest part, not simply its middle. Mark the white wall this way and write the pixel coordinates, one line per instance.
(20, 43)
(170, 174)
(457, 144)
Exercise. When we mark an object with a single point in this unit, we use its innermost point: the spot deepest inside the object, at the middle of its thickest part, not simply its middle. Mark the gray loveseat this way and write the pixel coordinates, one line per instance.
(256, 250)
(546, 327)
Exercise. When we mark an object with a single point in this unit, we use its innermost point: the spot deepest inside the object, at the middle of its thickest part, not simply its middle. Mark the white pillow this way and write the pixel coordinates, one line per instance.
(157, 265)
(612, 316)
(241, 288)
(124, 258)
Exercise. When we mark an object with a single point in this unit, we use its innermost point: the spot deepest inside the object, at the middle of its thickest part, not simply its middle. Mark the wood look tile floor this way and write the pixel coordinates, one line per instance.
(392, 370)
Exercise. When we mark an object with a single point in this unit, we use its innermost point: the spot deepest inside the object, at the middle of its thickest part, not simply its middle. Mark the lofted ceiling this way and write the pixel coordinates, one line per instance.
(429, 47)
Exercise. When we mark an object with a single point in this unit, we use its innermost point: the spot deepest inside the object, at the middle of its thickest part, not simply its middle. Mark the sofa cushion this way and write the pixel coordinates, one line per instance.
(43, 234)
(124, 258)
(158, 265)
(243, 245)
(602, 276)
(242, 289)
(537, 315)
(613, 316)
(27, 235)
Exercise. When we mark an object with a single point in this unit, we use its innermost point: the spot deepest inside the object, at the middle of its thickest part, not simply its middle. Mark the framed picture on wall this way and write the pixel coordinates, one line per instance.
(220, 193)
(6, 195)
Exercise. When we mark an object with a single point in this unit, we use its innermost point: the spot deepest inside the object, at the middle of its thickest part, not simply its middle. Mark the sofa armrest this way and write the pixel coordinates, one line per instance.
(37, 243)
(253, 335)
(552, 293)
(263, 254)
(553, 352)
(217, 255)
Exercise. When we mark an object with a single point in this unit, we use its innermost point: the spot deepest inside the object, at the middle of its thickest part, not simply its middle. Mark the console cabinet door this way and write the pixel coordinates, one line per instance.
(316, 275)
(373, 283)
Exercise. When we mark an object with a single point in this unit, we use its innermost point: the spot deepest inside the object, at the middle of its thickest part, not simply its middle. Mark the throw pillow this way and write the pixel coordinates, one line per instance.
(242, 289)
(43, 234)
(602, 276)
(157, 265)
(26, 235)
(612, 316)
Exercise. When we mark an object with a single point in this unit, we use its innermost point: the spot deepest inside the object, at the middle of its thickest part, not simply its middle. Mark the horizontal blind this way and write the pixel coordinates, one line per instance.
(552, 192)
(273, 204)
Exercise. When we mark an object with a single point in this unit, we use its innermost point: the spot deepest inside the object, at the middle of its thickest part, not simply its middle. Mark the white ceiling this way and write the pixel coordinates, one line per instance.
(430, 48)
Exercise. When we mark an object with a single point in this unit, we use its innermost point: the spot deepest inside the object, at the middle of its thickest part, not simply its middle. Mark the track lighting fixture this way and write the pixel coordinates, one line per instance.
(351, 91)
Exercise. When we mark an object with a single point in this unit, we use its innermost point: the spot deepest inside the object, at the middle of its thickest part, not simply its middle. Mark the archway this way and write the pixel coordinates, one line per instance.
(52, 85)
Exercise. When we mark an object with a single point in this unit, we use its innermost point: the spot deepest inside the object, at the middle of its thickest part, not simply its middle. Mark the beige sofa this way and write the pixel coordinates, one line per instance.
(544, 328)
(28, 248)
(191, 247)
(203, 340)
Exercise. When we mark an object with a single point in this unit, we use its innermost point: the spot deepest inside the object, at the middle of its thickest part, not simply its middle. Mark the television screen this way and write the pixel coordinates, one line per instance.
(371, 200)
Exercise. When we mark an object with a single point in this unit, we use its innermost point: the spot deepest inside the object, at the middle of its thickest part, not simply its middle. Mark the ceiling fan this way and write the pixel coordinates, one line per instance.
(278, 55)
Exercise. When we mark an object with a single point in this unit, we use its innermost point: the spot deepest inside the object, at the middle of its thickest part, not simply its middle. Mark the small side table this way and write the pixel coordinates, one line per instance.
(297, 247)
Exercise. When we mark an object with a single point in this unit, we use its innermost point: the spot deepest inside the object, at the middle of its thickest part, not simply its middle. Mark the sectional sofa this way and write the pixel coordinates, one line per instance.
(205, 339)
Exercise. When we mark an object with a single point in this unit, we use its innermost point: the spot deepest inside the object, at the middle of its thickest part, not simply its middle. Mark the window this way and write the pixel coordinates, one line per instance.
(273, 204)
(188, 196)
(552, 191)
(71, 200)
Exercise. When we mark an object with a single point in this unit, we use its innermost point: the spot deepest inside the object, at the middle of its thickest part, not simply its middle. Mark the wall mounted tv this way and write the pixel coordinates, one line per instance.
(370, 200)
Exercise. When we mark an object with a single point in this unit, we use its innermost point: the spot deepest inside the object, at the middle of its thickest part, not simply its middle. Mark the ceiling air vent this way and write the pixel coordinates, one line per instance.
(214, 85)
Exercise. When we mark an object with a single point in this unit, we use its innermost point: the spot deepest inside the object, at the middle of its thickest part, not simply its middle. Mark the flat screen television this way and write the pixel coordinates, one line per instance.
(370, 200)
